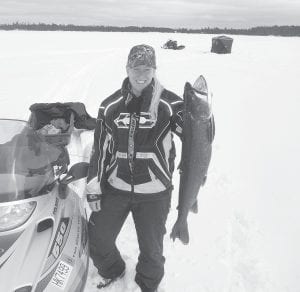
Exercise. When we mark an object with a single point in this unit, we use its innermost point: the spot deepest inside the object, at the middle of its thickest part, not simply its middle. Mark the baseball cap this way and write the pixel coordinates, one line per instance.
(141, 55)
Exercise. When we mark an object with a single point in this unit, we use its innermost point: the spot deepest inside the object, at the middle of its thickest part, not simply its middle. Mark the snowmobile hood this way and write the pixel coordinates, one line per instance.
(43, 226)
(27, 163)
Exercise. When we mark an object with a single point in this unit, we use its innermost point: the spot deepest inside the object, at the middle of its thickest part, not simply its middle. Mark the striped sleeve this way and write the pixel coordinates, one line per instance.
(99, 152)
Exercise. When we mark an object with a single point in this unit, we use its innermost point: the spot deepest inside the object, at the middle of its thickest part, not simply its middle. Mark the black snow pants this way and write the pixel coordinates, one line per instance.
(149, 218)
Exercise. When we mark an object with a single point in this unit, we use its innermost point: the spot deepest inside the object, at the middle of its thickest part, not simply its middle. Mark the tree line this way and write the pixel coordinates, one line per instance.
(259, 30)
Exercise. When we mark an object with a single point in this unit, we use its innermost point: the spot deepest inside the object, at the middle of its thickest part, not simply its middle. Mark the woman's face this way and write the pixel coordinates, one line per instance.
(140, 77)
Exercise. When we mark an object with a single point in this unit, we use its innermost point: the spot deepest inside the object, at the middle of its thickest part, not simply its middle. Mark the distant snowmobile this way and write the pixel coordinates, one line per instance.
(171, 44)
(43, 225)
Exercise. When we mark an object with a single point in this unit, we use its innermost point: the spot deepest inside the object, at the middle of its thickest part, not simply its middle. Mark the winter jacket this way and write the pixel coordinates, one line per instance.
(134, 151)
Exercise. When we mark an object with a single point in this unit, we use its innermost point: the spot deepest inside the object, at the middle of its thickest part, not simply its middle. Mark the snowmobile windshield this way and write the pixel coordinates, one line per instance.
(27, 162)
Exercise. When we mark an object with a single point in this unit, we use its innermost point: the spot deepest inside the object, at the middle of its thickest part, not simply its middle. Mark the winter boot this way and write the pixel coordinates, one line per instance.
(107, 281)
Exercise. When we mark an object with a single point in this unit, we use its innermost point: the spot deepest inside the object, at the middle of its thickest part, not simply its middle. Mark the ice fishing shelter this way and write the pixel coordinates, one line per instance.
(221, 44)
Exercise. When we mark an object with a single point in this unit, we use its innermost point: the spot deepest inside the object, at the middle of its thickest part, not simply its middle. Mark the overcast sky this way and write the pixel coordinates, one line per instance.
(158, 13)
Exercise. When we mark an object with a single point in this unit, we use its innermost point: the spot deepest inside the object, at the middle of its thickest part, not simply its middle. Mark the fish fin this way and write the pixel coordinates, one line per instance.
(179, 167)
(211, 130)
(194, 208)
(200, 85)
(201, 90)
(180, 230)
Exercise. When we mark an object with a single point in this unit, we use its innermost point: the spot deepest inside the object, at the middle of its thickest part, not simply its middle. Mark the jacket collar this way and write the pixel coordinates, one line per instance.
(146, 96)
(150, 96)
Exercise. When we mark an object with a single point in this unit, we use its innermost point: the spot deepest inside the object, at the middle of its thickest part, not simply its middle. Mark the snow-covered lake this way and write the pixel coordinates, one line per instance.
(246, 236)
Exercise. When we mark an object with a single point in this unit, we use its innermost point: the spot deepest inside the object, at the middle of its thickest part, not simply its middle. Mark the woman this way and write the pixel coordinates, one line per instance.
(131, 170)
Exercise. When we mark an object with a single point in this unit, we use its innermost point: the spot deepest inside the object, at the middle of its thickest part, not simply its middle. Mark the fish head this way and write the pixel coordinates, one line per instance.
(197, 103)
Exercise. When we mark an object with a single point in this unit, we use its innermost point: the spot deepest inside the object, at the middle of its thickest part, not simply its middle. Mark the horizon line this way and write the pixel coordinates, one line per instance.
(147, 27)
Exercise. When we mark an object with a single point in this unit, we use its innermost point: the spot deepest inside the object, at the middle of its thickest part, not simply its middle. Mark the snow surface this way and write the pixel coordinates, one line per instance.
(246, 236)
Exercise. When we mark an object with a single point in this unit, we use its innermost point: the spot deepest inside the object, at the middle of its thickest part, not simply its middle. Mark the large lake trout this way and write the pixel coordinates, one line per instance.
(197, 136)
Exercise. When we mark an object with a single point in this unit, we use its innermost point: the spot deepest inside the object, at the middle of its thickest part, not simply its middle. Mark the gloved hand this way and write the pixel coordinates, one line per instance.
(94, 201)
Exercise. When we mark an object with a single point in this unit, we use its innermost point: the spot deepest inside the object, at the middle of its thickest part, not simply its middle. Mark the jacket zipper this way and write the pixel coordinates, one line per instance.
(130, 152)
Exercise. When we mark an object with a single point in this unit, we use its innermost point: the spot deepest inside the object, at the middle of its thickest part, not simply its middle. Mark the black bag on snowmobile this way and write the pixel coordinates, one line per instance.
(74, 113)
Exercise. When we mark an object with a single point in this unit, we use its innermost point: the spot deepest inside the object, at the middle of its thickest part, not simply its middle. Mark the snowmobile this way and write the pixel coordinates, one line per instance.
(171, 44)
(43, 224)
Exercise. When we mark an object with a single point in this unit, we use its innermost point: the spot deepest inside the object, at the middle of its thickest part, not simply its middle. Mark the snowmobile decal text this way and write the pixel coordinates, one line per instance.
(60, 237)
(55, 206)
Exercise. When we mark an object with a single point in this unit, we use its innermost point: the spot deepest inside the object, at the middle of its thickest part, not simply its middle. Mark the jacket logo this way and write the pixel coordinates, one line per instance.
(123, 120)
(145, 121)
